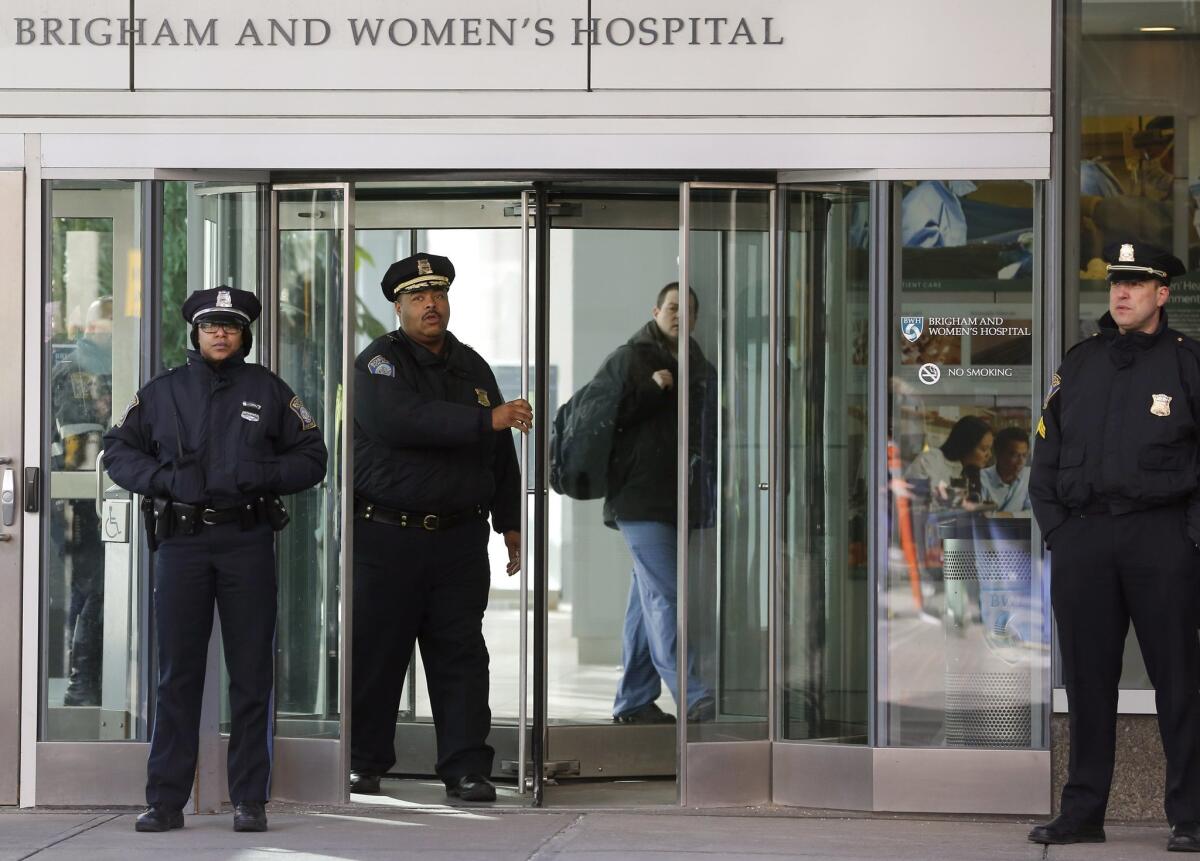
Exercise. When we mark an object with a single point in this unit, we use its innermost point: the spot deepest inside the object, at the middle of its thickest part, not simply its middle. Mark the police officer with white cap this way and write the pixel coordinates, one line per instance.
(1116, 493)
(210, 446)
(433, 457)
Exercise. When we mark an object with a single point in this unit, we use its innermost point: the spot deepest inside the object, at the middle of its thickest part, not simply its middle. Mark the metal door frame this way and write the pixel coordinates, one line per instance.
(12, 235)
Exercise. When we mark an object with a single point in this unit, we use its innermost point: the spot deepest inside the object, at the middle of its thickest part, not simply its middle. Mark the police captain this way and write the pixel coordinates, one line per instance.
(1115, 492)
(433, 457)
(210, 446)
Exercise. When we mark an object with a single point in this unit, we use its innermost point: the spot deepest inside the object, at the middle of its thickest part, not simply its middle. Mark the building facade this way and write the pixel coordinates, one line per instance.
(891, 221)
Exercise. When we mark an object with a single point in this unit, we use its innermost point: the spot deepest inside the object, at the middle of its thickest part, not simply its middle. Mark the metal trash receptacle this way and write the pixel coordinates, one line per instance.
(988, 622)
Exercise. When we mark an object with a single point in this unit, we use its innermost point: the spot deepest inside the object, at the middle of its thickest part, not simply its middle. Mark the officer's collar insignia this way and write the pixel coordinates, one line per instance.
(1055, 385)
(482, 396)
(1160, 405)
(381, 366)
(224, 300)
(307, 422)
(1126, 255)
(424, 267)
(128, 410)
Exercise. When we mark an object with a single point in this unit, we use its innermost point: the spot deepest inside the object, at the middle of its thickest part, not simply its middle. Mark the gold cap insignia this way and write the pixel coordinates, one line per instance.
(224, 300)
(424, 267)
(1126, 255)
(1160, 405)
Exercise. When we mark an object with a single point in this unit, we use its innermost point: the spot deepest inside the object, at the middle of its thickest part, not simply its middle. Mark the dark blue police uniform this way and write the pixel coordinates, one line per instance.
(211, 447)
(1116, 492)
(428, 469)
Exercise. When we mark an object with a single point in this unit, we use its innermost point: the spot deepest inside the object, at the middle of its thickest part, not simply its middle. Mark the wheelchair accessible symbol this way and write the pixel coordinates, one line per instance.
(929, 373)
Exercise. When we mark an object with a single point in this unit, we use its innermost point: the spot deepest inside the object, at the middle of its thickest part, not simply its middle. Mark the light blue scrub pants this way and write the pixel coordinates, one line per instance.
(648, 645)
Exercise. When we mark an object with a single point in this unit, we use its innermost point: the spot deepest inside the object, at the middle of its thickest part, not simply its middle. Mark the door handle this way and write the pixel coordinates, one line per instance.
(8, 494)
(100, 482)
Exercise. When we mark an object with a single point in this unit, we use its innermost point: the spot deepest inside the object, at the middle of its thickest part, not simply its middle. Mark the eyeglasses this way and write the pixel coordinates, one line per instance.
(208, 327)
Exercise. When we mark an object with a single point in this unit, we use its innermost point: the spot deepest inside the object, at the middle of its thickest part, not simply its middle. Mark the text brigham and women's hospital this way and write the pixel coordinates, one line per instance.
(394, 32)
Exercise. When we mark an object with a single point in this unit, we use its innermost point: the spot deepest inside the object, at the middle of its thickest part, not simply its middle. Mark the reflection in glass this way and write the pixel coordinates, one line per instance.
(1139, 169)
(826, 457)
(92, 601)
(210, 239)
(965, 633)
(729, 416)
(310, 320)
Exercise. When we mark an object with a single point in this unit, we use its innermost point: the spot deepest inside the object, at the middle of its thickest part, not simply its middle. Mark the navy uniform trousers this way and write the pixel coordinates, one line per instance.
(236, 570)
(1109, 570)
(430, 587)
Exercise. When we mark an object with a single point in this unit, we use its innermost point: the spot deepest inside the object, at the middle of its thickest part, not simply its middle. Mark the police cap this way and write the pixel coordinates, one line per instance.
(222, 304)
(1137, 261)
(419, 272)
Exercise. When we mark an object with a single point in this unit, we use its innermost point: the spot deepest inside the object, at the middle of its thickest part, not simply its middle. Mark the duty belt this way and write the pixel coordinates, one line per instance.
(415, 520)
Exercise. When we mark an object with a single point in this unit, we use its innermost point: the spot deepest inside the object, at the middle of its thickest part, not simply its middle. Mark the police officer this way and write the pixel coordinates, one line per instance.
(433, 456)
(1115, 492)
(210, 445)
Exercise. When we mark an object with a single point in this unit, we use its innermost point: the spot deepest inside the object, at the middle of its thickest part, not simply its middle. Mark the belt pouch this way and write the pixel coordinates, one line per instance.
(164, 520)
(186, 518)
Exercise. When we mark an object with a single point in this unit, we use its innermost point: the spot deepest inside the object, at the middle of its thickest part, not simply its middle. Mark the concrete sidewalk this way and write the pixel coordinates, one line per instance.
(507, 835)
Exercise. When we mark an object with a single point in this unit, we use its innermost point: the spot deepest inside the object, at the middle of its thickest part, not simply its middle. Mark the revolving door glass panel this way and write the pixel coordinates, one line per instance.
(311, 264)
(964, 643)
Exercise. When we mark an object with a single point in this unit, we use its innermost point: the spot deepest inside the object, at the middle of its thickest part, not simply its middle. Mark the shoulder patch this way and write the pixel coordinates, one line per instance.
(381, 366)
(128, 410)
(1055, 385)
(307, 422)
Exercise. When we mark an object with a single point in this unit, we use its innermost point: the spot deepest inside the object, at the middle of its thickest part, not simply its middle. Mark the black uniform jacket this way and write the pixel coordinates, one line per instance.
(1120, 427)
(643, 465)
(423, 438)
(215, 435)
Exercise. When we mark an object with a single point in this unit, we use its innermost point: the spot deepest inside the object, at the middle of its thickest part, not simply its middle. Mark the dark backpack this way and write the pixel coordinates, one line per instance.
(581, 443)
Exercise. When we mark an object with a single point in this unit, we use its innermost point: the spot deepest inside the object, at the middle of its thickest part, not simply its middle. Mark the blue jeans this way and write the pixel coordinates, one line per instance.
(648, 645)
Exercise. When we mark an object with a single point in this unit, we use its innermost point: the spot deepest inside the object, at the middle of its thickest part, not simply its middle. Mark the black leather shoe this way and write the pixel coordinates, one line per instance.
(368, 784)
(1060, 830)
(472, 787)
(1185, 837)
(250, 816)
(156, 817)
(649, 713)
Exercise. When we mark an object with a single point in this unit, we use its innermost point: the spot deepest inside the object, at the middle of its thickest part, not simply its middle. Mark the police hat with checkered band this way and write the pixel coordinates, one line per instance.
(418, 272)
(223, 305)
(1137, 261)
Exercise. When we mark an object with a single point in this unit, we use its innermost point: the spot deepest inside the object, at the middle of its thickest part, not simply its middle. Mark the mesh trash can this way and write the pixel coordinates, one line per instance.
(988, 622)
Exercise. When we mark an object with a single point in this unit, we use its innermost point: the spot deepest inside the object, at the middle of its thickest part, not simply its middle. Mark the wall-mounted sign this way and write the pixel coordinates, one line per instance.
(530, 45)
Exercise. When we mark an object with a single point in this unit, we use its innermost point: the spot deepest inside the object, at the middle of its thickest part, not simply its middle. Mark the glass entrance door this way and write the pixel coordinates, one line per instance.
(313, 263)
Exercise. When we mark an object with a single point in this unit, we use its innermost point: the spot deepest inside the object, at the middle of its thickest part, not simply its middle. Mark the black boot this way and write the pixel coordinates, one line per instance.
(158, 817)
(250, 816)
(1062, 830)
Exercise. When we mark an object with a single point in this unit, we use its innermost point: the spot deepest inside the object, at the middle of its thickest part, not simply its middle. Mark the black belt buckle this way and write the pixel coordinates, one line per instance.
(430, 522)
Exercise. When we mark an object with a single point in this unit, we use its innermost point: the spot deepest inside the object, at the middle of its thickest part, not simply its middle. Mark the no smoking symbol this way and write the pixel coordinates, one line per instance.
(929, 373)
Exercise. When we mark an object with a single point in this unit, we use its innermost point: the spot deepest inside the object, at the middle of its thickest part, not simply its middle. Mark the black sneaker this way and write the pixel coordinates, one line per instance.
(250, 816)
(703, 711)
(472, 787)
(158, 817)
(649, 713)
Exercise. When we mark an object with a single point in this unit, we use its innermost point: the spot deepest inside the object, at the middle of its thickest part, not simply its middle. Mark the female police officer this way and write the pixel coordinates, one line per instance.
(209, 446)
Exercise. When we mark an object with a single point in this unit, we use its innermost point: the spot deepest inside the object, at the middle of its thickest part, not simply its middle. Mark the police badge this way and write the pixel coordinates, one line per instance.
(424, 267)
(224, 300)
(1160, 405)
(481, 395)
(1126, 255)
(912, 327)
